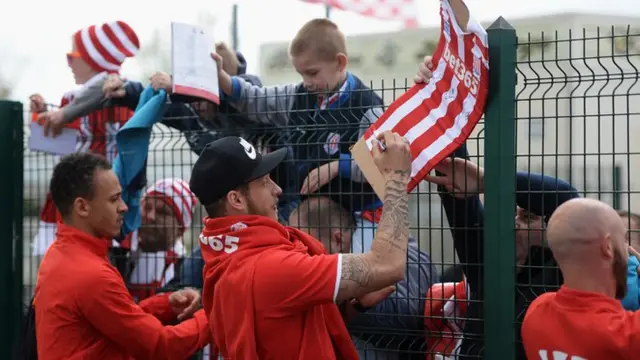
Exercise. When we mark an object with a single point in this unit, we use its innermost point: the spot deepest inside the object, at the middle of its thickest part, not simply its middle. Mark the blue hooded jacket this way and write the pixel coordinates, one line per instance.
(631, 301)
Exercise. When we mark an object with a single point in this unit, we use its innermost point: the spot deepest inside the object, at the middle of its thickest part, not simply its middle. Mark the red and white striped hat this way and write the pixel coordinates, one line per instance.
(176, 194)
(104, 47)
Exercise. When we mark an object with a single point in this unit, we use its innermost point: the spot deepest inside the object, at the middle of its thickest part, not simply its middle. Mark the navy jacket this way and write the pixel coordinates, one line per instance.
(536, 193)
(313, 136)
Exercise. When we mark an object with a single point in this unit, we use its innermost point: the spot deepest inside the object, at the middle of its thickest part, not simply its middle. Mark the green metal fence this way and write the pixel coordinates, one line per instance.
(11, 148)
(566, 109)
(577, 110)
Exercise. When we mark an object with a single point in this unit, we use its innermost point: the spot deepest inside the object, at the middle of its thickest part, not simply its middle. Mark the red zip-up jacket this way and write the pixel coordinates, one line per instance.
(84, 311)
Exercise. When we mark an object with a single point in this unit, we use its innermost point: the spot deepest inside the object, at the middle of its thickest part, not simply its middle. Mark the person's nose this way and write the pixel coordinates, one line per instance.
(123, 207)
(149, 214)
(277, 191)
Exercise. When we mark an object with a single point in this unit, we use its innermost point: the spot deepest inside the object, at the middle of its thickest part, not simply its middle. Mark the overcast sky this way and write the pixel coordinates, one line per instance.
(35, 34)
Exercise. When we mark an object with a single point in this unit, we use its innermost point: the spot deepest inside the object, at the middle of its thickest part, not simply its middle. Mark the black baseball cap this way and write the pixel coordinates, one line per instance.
(226, 164)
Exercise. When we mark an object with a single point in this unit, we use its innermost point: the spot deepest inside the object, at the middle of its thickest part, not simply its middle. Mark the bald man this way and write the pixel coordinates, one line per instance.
(401, 314)
(584, 319)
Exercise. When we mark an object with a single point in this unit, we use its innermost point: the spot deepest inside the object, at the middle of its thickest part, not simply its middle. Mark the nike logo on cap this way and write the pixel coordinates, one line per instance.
(248, 149)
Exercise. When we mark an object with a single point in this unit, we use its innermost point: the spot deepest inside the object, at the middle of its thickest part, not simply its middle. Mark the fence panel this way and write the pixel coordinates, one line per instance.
(575, 106)
(578, 102)
(499, 195)
(11, 139)
(172, 154)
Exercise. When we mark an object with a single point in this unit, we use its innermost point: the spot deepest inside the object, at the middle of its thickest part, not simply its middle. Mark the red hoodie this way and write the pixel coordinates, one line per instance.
(571, 324)
(269, 292)
(83, 309)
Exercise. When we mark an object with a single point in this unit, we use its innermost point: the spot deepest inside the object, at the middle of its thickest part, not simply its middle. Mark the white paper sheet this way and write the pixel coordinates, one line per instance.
(194, 71)
(63, 144)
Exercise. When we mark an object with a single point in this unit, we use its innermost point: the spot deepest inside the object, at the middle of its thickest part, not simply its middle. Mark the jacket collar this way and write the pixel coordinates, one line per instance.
(71, 235)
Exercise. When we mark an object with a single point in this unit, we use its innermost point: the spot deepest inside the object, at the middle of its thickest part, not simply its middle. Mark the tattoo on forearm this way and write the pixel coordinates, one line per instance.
(394, 225)
(359, 273)
(356, 271)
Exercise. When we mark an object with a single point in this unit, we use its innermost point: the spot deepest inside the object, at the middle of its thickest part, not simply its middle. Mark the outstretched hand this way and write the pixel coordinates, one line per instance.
(462, 178)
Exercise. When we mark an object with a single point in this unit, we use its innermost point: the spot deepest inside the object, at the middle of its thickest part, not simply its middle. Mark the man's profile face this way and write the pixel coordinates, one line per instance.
(529, 232)
(81, 70)
(262, 197)
(106, 209)
(160, 227)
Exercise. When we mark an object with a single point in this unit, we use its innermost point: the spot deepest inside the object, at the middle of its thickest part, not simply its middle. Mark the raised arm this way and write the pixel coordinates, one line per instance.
(460, 183)
(385, 263)
(93, 97)
(541, 194)
(85, 103)
(269, 105)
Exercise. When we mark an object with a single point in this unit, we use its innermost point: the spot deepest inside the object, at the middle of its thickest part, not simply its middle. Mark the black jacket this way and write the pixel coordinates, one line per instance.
(539, 195)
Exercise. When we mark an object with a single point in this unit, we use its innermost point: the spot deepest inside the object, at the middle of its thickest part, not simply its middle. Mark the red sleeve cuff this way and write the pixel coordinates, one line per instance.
(204, 330)
(159, 307)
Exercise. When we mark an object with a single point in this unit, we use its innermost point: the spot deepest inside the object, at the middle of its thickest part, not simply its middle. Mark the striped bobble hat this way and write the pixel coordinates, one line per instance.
(105, 47)
(176, 194)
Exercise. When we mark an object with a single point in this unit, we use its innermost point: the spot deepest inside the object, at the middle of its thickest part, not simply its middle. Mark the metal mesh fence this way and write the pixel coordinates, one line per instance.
(576, 104)
(172, 154)
(577, 109)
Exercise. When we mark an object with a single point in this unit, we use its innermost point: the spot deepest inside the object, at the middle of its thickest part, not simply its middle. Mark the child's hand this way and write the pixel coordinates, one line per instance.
(219, 62)
(52, 121)
(425, 73)
(224, 79)
(36, 103)
(320, 177)
(230, 59)
(113, 87)
(161, 80)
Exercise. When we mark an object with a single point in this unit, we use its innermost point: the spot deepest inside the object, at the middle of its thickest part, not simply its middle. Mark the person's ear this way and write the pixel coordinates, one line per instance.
(607, 247)
(81, 207)
(342, 61)
(236, 200)
(336, 239)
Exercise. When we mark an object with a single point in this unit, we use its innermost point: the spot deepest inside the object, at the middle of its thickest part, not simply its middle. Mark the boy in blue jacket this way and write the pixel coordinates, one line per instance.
(320, 118)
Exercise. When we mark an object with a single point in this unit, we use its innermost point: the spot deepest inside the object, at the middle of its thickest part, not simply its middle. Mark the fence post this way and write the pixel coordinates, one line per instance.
(11, 191)
(500, 203)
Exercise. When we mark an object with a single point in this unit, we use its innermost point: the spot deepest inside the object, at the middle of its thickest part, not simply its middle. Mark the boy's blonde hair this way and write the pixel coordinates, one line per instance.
(322, 36)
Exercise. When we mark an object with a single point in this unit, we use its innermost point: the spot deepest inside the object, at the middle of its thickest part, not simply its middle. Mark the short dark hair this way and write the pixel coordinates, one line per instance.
(217, 209)
(73, 177)
(324, 214)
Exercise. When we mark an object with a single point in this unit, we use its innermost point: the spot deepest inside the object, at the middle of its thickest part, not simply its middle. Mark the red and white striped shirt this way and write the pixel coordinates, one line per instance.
(439, 116)
(96, 133)
(152, 270)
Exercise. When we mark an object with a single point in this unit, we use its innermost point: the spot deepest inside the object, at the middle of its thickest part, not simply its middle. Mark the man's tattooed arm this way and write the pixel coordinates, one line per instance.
(385, 263)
